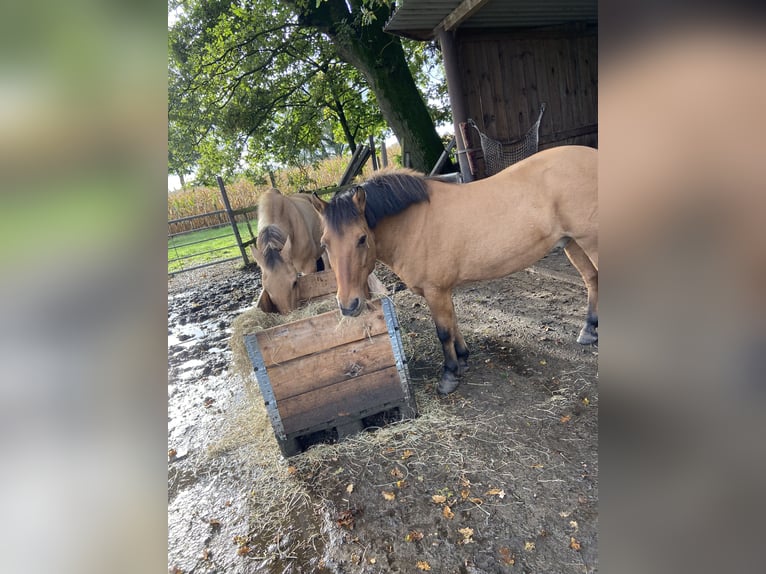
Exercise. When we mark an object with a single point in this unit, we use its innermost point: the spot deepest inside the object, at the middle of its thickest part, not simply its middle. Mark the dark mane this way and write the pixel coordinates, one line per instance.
(271, 240)
(386, 194)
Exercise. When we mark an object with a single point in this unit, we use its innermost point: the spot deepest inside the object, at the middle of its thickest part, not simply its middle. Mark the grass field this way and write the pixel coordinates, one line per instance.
(195, 247)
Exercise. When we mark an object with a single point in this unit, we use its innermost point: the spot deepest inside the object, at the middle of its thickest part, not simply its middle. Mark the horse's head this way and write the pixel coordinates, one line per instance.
(278, 274)
(350, 246)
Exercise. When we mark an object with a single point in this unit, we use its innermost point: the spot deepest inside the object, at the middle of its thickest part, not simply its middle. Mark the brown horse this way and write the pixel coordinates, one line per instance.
(436, 235)
(288, 244)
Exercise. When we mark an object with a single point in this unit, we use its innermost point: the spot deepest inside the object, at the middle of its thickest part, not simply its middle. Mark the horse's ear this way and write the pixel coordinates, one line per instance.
(318, 203)
(257, 255)
(264, 303)
(285, 251)
(360, 199)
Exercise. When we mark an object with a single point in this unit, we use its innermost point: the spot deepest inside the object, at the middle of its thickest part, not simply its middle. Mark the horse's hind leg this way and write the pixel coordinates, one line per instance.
(443, 314)
(589, 272)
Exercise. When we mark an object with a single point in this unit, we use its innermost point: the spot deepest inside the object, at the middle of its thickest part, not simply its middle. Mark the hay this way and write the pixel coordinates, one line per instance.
(255, 320)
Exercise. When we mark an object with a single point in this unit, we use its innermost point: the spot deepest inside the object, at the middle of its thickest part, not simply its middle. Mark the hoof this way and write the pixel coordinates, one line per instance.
(587, 337)
(448, 384)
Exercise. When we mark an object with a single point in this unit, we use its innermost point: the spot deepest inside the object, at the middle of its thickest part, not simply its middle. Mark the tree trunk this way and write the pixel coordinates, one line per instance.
(380, 58)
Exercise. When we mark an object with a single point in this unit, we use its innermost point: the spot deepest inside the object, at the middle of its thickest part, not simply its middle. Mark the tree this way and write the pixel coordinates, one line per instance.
(252, 79)
(359, 39)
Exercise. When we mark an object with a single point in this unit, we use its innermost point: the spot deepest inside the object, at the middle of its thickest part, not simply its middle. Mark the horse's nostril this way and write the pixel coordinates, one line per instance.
(351, 309)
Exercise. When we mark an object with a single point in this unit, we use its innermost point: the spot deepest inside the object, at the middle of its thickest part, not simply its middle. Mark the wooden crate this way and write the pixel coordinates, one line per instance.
(319, 285)
(323, 373)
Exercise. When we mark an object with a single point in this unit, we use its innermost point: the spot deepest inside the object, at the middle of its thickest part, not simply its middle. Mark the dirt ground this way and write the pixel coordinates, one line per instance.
(501, 476)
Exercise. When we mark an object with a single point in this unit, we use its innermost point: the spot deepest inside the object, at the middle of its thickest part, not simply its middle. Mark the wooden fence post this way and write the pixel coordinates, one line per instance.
(233, 219)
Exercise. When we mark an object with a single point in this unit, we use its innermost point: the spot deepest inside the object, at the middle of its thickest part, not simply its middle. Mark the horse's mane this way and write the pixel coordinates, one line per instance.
(386, 193)
(271, 240)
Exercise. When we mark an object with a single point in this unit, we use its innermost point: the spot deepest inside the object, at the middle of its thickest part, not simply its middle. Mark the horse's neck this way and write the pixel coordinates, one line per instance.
(300, 226)
(277, 212)
(268, 212)
(309, 219)
(395, 235)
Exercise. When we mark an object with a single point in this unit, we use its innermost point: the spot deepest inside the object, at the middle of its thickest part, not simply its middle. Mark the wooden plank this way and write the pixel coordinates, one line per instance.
(561, 31)
(574, 75)
(316, 285)
(331, 366)
(245, 210)
(515, 91)
(501, 108)
(469, 83)
(474, 104)
(488, 113)
(587, 65)
(568, 134)
(343, 400)
(536, 93)
(546, 73)
(564, 65)
(463, 11)
(318, 333)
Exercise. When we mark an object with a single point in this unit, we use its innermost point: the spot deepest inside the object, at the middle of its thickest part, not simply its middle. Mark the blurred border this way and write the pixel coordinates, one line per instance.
(83, 291)
(683, 279)
(83, 128)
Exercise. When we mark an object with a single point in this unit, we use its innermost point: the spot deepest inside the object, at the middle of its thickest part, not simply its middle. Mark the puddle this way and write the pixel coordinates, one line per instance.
(191, 364)
(216, 503)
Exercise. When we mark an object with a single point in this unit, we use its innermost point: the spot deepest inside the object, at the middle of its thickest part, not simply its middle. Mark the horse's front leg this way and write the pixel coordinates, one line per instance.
(453, 345)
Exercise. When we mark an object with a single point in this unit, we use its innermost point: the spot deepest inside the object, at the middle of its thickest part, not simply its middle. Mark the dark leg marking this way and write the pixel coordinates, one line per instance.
(447, 342)
(589, 334)
(449, 380)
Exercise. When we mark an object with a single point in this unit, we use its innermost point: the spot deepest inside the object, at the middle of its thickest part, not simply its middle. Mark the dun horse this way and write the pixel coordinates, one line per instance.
(436, 235)
(288, 244)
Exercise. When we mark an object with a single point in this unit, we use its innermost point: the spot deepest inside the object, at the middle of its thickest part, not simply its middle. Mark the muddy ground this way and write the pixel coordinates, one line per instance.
(501, 476)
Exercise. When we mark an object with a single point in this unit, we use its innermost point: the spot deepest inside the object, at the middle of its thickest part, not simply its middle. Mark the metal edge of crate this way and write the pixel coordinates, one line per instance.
(262, 376)
(394, 334)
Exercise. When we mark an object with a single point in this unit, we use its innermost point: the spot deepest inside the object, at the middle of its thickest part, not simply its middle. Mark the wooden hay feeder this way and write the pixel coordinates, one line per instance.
(321, 376)
(319, 285)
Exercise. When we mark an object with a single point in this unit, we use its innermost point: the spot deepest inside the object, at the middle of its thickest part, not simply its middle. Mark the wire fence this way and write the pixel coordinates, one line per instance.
(219, 237)
(218, 241)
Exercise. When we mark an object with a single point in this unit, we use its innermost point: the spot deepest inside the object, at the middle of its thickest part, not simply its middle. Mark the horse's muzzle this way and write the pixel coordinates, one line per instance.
(352, 310)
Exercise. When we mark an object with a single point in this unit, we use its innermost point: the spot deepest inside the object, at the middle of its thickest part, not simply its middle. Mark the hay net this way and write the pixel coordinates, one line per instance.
(499, 155)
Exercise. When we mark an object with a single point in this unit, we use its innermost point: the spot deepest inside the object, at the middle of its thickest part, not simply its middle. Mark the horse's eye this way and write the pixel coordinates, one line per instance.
(362, 240)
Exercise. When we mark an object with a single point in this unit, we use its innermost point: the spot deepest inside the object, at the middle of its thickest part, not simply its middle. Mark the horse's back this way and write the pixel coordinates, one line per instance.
(580, 162)
(498, 225)
(558, 175)
(269, 206)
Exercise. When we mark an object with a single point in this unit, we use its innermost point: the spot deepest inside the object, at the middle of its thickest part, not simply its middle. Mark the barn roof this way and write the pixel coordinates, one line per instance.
(423, 19)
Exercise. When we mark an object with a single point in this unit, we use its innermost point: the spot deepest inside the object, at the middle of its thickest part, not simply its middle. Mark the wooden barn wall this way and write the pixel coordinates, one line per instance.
(508, 73)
